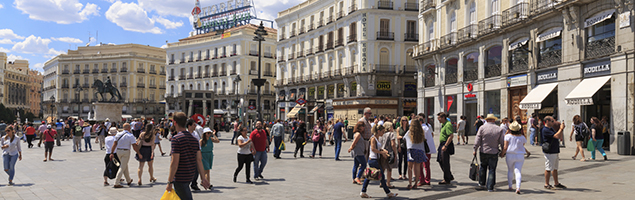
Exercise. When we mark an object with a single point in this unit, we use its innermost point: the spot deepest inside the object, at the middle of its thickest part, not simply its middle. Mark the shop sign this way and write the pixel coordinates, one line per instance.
(331, 90)
(547, 76)
(353, 88)
(383, 85)
(599, 18)
(301, 101)
(469, 96)
(470, 87)
(320, 91)
(450, 101)
(409, 103)
(282, 110)
(597, 69)
(520, 43)
(312, 91)
(519, 80)
(410, 86)
(625, 19)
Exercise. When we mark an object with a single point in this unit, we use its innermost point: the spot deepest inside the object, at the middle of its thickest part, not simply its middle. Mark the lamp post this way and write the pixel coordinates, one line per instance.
(78, 91)
(52, 105)
(260, 32)
(237, 82)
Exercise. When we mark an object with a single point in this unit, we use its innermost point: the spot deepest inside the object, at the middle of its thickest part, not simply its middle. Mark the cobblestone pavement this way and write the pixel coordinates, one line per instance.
(79, 176)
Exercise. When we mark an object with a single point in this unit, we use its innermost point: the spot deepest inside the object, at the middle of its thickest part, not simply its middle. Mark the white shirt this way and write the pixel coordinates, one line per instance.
(14, 147)
(427, 131)
(110, 140)
(198, 131)
(515, 144)
(86, 131)
(245, 149)
(381, 123)
(411, 145)
(504, 126)
(374, 155)
(107, 124)
(461, 125)
(126, 139)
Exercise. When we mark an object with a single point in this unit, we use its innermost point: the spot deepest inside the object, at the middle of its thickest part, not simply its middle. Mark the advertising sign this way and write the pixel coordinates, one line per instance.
(519, 80)
(224, 15)
(312, 92)
(547, 76)
(320, 92)
(383, 85)
(597, 68)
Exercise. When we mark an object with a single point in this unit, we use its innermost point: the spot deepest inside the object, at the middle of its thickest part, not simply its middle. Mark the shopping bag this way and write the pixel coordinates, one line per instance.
(372, 173)
(590, 145)
(170, 196)
(474, 170)
(282, 146)
(112, 168)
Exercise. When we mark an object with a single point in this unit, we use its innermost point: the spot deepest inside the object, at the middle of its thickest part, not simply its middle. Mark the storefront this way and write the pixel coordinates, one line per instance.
(516, 90)
(384, 88)
(543, 98)
(409, 106)
(493, 102)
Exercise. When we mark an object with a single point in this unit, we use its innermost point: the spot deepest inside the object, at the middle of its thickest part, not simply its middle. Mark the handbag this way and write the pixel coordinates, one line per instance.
(474, 170)
(590, 145)
(545, 147)
(427, 148)
(450, 148)
(372, 173)
(391, 158)
(112, 168)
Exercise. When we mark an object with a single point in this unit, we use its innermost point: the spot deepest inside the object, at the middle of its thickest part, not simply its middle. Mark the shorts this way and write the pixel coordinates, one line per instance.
(579, 138)
(461, 132)
(551, 161)
(48, 146)
(416, 155)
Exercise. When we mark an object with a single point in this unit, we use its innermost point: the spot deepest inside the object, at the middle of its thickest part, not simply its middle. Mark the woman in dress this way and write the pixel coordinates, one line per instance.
(207, 151)
(388, 143)
(403, 158)
(597, 137)
(11, 152)
(415, 142)
(146, 152)
(300, 140)
(157, 139)
(357, 150)
(329, 132)
(375, 153)
(318, 137)
(578, 126)
(245, 154)
(513, 151)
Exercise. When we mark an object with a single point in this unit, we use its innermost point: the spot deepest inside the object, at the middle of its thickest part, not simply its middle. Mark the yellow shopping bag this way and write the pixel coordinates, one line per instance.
(170, 196)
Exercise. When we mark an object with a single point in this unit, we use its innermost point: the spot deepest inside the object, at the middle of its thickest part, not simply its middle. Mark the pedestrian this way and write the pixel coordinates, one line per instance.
(236, 131)
(67, 129)
(338, 131)
(605, 131)
(578, 128)
(3, 126)
(207, 152)
(489, 139)
(278, 132)
(358, 152)
(137, 126)
(124, 141)
(145, 153)
(245, 155)
(49, 141)
(424, 179)
(329, 133)
(461, 131)
(194, 129)
(87, 130)
(597, 137)
(446, 148)
(415, 143)
(40, 132)
(107, 124)
(403, 150)
(157, 140)
(535, 127)
(109, 141)
(260, 143)
(367, 119)
(59, 127)
(375, 153)
(505, 124)
(478, 123)
(102, 132)
(77, 137)
(388, 143)
(30, 134)
(513, 151)
(186, 156)
(11, 152)
(318, 137)
(300, 140)
(551, 137)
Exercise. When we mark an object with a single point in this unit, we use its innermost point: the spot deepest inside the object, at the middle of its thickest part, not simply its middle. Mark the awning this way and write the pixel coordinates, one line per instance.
(294, 112)
(600, 17)
(533, 100)
(315, 108)
(520, 43)
(126, 116)
(549, 35)
(583, 93)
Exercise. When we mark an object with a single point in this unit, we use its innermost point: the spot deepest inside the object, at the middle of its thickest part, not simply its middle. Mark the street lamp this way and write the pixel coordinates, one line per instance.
(52, 105)
(237, 82)
(78, 91)
(260, 32)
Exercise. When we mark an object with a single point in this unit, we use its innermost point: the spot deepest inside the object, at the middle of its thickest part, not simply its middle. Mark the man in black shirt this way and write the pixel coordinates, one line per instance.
(551, 137)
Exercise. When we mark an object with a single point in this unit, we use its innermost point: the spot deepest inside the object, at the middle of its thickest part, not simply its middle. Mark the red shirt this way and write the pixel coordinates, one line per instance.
(30, 130)
(259, 139)
(50, 135)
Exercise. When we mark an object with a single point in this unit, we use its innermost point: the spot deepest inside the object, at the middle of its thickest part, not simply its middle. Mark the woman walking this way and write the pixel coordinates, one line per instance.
(415, 142)
(374, 155)
(357, 150)
(207, 151)
(87, 130)
(427, 131)
(300, 140)
(318, 137)
(11, 152)
(102, 132)
(388, 143)
(146, 152)
(514, 152)
(403, 128)
(329, 132)
(110, 140)
(157, 139)
(578, 127)
(597, 137)
(245, 154)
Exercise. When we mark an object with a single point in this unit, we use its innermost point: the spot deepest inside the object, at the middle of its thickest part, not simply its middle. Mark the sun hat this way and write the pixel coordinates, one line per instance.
(491, 116)
(48, 126)
(112, 130)
(515, 126)
(205, 130)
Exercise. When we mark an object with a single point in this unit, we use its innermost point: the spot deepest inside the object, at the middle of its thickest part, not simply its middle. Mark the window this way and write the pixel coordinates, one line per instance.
(411, 26)
(430, 31)
(409, 60)
(494, 7)
(86, 67)
(215, 52)
(123, 65)
(224, 51)
(223, 68)
(234, 67)
(207, 54)
(182, 57)
(171, 58)
(471, 16)
(451, 71)
(96, 67)
(602, 30)
(452, 22)
(199, 55)
(253, 65)
(384, 25)
(470, 67)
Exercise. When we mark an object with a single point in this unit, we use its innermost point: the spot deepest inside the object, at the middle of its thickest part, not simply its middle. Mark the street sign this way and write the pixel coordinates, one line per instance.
(252, 107)
(300, 101)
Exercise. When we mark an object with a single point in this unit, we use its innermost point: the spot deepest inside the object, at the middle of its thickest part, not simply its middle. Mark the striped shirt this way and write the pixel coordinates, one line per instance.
(186, 146)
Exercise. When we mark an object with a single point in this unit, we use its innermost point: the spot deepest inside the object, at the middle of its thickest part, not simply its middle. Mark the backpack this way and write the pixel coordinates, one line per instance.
(582, 130)
(316, 136)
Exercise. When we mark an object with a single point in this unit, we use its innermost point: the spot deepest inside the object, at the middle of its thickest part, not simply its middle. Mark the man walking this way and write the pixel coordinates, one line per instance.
(2, 127)
(488, 139)
(124, 141)
(40, 132)
(533, 122)
(259, 139)
(461, 131)
(136, 128)
(235, 131)
(193, 128)
(77, 136)
(277, 130)
(59, 127)
(446, 148)
(551, 137)
(338, 130)
(186, 157)
(49, 140)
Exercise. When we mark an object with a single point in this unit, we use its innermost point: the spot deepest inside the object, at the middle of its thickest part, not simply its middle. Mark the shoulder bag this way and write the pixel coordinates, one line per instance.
(474, 169)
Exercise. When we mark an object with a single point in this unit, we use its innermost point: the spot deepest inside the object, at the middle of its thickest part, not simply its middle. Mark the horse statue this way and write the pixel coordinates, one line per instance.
(102, 88)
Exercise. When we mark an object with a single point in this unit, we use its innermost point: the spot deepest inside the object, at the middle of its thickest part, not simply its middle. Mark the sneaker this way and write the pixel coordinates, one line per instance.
(234, 179)
(249, 181)
(605, 158)
(364, 195)
(74, 151)
(560, 186)
(391, 195)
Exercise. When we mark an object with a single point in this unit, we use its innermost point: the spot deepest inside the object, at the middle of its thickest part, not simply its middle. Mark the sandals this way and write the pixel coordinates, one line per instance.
(153, 180)
(573, 157)
(130, 182)
(517, 191)
(106, 183)
(44, 160)
(549, 187)
(391, 195)
(138, 183)
(358, 182)
(409, 187)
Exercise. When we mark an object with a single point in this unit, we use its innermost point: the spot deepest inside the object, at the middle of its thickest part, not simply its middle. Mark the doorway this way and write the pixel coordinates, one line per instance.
(516, 95)
(471, 111)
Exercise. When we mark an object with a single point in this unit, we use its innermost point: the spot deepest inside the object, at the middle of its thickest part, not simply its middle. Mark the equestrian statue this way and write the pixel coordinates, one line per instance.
(107, 87)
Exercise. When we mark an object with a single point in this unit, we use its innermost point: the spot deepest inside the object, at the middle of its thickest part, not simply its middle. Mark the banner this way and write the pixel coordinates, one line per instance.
(450, 101)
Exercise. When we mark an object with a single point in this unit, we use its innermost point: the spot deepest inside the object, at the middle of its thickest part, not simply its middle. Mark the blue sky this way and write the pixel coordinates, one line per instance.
(38, 30)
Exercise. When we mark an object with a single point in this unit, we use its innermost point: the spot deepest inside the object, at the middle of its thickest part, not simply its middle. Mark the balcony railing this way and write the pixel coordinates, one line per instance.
(152, 72)
(411, 7)
(519, 64)
(65, 86)
(152, 86)
(340, 14)
(540, 6)
(325, 75)
(292, 34)
(95, 71)
(223, 73)
(492, 70)
(349, 71)
(141, 85)
(385, 35)
(86, 71)
(339, 42)
(306, 78)
(124, 84)
(309, 51)
(66, 71)
(489, 24)
(425, 48)
(448, 40)
(600, 47)
(352, 8)
(385, 69)
(409, 69)
(85, 85)
(385, 5)
(291, 56)
(268, 55)
(162, 73)
(467, 33)
(76, 85)
(214, 74)
(319, 49)
(301, 31)
(268, 73)
(320, 23)
(411, 37)
(430, 80)
(253, 53)
(171, 78)
(281, 59)
(113, 70)
(451, 76)
(428, 4)
(300, 54)
(232, 53)
(310, 27)
(352, 38)
(77, 71)
(549, 58)
(171, 62)
(181, 77)
(198, 76)
(330, 19)
(232, 72)
(104, 70)
(253, 72)
(470, 74)
(124, 69)
(329, 45)
(206, 75)
(190, 76)
(515, 14)
(281, 37)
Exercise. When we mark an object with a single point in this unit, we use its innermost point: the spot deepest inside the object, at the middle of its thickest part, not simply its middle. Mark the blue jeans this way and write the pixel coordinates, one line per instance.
(488, 162)
(532, 135)
(598, 142)
(235, 136)
(375, 163)
(317, 145)
(87, 143)
(360, 161)
(9, 164)
(260, 160)
(277, 140)
(182, 190)
(338, 147)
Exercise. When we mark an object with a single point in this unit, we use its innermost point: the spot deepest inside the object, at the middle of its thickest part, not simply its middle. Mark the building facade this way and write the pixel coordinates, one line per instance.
(17, 86)
(342, 56)
(212, 62)
(35, 80)
(3, 65)
(552, 58)
(136, 70)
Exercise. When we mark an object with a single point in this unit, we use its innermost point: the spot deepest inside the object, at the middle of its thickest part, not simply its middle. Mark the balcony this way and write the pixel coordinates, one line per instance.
(86, 71)
(310, 27)
(520, 63)
(352, 8)
(268, 73)
(330, 19)
(182, 60)
(86, 85)
(198, 76)
(385, 69)
(411, 7)
(300, 54)
(309, 51)
(181, 77)
(541, 6)
(113, 70)
(349, 71)
(66, 71)
(413, 37)
(85, 100)
(315, 76)
(430, 80)
(268, 55)
(319, 49)
(141, 85)
(515, 14)
(427, 5)
(325, 75)
(151, 86)
(96, 71)
(340, 14)
(161, 73)
(171, 62)
(206, 75)
(388, 5)
(124, 69)
(492, 70)
(306, 78)
(281, 59)
(162, 87)
(339, 42)
(467, 33)
(64, 86)
(600, 47)
(292, 34)
(171, 78)
(291, 56)
(152, 71)
(301, 31)
(489, 25)
(281, 37)
(549, 57)
(320, 23)
(253, 72)
(253, 53)
(329, 45)
(448, 40)
(232, 53)
(470, 74)
(410, 69)
(425, 48)
(214, 74)
(191, 59)
(451, 76)
(223, 73)
(124, 84)
(77, 71)
(385, 35)
(336, 73)
(104, 70)
(232, 72)
(77, 85)
(190, 76)
(352, 38)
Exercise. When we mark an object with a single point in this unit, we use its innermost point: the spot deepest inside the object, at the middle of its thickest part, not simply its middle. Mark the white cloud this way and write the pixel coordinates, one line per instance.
(131, 17)
(1, 5)
(35, 45)
(67, 40)
(164, 46)
(55, 52)
(4, 50)
(178, 8)
(167, 23)
(6, 41)
(9, 34)
(58, 11)
(14, 57)
(38, 67)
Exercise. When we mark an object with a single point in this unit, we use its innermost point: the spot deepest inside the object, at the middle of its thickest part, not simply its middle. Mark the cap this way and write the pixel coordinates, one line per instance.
(48, 126)
(478, 117)
(205, 130)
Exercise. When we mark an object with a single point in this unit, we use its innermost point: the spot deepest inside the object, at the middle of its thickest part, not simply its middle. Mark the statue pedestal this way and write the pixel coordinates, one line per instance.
(108, 110)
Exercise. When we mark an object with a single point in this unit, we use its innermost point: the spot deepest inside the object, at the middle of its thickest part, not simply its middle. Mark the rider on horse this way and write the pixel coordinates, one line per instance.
(108, 83)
